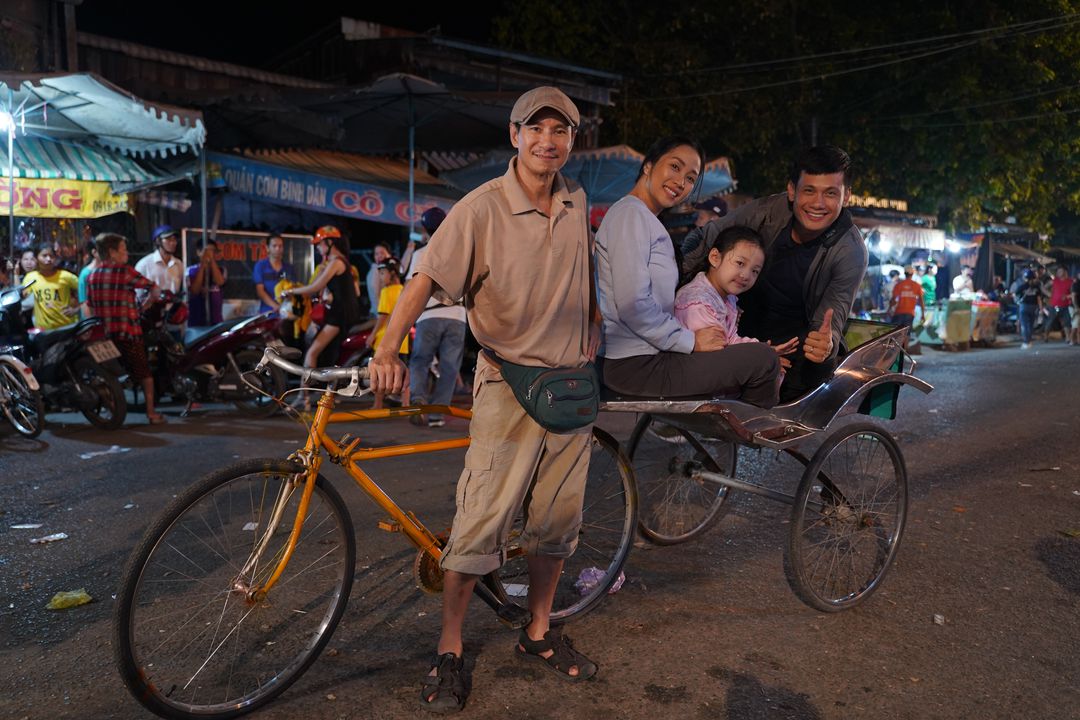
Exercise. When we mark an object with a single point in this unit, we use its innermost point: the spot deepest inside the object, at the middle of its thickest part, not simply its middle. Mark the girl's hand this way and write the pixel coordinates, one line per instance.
(785, 348)
(784, 363)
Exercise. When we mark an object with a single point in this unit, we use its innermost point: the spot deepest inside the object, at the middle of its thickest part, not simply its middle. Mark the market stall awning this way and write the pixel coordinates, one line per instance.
(39, 158)
(1068, 252)
(902, 236)
(1019, 252)
(328, 182)
(86, 107)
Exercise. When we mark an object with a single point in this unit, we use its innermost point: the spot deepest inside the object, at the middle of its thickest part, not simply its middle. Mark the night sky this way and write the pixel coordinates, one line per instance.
(250, 33)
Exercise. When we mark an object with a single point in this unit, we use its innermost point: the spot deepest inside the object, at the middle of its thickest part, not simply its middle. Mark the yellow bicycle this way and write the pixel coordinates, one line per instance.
(237, 586)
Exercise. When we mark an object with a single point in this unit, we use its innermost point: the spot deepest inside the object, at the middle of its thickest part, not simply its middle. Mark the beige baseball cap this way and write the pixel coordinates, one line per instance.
(545, 97)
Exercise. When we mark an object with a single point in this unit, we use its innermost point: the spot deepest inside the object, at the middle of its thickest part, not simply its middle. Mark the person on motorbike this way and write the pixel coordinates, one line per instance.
(344, 311)
(111, 296)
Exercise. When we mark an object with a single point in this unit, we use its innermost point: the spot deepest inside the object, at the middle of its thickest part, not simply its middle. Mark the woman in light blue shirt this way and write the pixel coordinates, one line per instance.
(646, 352)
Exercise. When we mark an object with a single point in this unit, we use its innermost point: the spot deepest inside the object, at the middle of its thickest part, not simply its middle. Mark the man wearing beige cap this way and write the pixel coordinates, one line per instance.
(518, 251)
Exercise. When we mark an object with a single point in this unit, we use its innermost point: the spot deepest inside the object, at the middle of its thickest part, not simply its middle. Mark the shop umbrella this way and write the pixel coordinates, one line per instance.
(400, 113)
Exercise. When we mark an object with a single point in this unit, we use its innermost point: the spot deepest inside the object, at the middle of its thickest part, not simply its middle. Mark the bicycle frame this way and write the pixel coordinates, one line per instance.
(348, 455)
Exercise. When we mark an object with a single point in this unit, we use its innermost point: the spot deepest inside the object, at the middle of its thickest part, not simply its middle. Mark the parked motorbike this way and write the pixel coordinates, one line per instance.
(67, 363)
(207, 366)
(20, 396)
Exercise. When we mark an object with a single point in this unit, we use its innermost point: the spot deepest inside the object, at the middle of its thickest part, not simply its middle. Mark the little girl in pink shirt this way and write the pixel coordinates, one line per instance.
(709, 300)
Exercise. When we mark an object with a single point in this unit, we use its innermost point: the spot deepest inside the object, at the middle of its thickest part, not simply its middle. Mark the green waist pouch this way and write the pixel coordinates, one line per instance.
(558, 399)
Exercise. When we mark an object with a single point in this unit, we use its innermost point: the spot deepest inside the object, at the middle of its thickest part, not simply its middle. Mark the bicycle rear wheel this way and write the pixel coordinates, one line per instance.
(189, 641)
(676, 506)
(848, 518)
(609, 515)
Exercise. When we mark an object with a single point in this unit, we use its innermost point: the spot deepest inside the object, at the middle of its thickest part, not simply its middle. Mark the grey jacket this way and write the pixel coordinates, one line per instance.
(834, 277)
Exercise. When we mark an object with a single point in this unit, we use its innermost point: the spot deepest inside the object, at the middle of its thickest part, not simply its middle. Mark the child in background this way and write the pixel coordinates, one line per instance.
(390, 281)
(709, 299)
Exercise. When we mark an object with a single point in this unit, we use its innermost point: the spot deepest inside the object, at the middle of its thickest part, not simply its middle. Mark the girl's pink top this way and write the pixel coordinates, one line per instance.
(698, 305)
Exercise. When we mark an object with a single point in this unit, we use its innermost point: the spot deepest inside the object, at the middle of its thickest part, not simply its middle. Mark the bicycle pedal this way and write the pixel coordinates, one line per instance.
(389, 526)
(514, 615)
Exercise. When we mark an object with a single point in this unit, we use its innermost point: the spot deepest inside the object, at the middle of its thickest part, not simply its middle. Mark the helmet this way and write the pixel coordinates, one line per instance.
(163, 231)
(326, 231)
(432, 219)
(1029, 274)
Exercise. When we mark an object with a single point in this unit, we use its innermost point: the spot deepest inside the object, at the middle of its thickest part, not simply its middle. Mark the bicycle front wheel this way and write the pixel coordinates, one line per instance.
(24, 407)
(190, 640)
(609, 515)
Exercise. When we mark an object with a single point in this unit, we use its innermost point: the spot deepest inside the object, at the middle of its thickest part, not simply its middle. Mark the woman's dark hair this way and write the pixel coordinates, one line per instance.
(728, 239)
(667, 144)
(341, 243)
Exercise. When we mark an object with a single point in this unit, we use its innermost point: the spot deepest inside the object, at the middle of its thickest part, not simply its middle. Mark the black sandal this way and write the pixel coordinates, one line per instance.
(563, 657)
(448, 685)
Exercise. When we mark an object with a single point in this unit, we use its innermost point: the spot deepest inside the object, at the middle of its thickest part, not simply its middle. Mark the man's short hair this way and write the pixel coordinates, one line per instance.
(821, 160)
(106, 243)
(271, 236)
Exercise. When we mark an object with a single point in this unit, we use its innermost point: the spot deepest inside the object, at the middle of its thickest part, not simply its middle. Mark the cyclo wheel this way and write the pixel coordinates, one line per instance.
(189, 641)
(675, 506)
(607, 530)
(25, 408)
(848, 518)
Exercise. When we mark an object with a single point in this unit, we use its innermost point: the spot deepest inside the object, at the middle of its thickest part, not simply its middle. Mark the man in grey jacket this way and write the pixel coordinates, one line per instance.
(815, 262)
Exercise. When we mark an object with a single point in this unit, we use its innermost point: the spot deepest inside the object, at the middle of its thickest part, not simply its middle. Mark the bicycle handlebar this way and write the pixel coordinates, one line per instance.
(320, 375)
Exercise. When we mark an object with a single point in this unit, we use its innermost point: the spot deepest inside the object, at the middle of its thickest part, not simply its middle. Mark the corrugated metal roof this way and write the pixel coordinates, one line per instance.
(347, 166)
(145, 52)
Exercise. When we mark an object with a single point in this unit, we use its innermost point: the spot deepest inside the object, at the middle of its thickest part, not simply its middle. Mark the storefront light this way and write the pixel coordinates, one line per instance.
(954, 247)
(7, 122)
(884, 247)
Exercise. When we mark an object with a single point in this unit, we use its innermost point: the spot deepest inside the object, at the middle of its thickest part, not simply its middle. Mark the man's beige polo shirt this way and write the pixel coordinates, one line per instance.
(524, 276)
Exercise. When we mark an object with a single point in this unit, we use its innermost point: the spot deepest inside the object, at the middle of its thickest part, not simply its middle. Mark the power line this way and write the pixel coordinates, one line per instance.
(819, 76)
(972, 123)
(860, 68)
(977, 106)
(1052, 23)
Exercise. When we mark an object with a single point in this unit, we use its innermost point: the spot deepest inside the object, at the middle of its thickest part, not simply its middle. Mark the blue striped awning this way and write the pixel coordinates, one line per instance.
(39, 158)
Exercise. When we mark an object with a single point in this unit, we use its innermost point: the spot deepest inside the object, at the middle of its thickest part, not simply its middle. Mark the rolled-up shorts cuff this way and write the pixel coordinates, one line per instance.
(556, 550)
(473, 564)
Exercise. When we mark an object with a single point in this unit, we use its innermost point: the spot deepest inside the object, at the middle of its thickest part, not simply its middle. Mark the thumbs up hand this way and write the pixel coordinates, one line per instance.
(819, 343)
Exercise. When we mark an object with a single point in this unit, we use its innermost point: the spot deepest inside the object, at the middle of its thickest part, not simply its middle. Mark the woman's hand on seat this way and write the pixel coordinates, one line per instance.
(708, 339)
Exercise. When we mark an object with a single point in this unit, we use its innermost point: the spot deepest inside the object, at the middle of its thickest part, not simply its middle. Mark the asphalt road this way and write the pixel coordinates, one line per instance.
(709, 629)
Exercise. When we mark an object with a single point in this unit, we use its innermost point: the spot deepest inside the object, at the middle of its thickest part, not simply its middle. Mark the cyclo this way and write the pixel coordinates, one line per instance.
(237, 586)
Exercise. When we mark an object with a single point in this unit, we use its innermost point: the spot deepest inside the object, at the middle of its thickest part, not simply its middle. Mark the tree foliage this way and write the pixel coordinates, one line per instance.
(970, 110)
